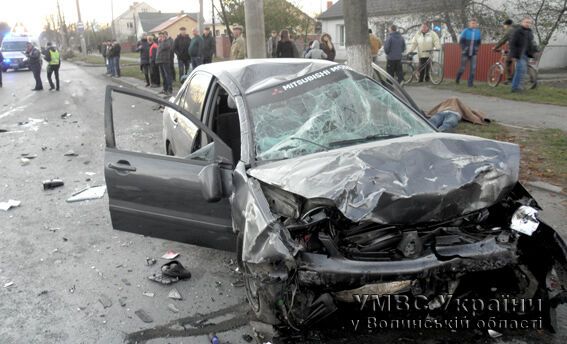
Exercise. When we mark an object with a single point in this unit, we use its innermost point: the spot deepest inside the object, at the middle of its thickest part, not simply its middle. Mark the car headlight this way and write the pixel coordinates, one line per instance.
(525, 220)
(7, 60)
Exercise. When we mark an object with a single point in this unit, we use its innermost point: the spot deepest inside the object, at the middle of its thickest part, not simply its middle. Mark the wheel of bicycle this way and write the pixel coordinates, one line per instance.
(408, 71)
(495, 74)
(531, 82)
(436, 73)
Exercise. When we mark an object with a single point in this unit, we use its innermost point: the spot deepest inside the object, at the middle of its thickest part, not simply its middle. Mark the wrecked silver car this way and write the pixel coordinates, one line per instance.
(332, 185)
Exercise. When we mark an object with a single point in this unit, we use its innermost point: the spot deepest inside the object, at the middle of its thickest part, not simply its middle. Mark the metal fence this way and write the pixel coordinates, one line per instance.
(452, 60)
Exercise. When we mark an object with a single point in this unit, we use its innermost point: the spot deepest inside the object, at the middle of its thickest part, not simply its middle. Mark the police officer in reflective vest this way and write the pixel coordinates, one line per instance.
(51, 55)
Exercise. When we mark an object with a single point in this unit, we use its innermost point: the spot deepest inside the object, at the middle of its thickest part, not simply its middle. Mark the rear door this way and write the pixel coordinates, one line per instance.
(159, 195)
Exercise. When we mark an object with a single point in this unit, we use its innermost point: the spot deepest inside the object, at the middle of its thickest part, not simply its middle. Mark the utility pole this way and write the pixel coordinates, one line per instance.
(356, 37)
(112, 19)
(81, 30)
(254, 15)
(213, 17)
(200, 23)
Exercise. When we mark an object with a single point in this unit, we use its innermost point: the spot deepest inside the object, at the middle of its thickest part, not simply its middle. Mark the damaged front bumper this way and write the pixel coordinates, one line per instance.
(339, 273)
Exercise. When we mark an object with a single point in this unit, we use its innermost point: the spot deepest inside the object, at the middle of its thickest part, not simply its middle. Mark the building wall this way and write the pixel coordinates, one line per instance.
(186, 22)
(127, 24)
(334, 28)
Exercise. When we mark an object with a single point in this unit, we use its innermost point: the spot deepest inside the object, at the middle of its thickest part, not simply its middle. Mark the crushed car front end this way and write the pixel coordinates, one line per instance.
(340, 226)
(354, 195)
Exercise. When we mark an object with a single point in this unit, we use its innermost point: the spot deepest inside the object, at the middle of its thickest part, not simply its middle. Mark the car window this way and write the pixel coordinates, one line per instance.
(331, 108)
(195, 94)
(14, 46)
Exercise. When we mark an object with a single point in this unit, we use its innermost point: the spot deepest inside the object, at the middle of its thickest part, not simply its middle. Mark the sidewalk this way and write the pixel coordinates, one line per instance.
(509, 112)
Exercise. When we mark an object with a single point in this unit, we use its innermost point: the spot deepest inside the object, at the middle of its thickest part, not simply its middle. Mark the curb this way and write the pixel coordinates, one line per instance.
(538, 184)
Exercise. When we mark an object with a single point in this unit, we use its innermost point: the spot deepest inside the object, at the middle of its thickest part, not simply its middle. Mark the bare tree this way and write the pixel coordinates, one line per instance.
(549, 17)
(356, 36)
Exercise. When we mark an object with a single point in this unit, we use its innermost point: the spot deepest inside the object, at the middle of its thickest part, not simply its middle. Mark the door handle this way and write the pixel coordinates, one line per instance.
(122, 166)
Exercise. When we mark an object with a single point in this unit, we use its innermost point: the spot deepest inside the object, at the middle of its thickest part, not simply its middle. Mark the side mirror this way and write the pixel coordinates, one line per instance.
(211, 183)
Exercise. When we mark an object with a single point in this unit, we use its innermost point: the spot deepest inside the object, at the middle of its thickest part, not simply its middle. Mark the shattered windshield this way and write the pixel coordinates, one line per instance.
(334, 107)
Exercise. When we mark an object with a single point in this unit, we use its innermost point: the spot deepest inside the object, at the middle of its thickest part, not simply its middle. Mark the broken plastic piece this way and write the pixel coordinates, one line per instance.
(9, 204)
(88, 194)
(71, 153)
(494, 334)
(52, 184)
(145, 317)
(65, 115)
(148, 294)
(174, 294)
(170, 255)
(150, 261)
(9, 284)
(24, 161)
(105, 301)
(172, 308)
(525, 220)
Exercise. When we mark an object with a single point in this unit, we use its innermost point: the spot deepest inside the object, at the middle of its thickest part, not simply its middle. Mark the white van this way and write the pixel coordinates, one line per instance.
(13, 48)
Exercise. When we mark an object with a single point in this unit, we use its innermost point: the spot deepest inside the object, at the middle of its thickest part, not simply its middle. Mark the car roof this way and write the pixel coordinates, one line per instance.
(251, 75)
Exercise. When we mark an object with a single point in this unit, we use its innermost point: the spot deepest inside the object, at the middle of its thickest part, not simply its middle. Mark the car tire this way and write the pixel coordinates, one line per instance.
(261, 297)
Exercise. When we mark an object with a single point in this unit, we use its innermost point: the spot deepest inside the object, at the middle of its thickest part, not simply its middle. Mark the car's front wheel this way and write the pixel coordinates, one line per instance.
(261, 296)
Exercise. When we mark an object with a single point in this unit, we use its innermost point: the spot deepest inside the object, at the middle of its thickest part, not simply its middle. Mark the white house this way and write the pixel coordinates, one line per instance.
(406, 14)
(128, 23)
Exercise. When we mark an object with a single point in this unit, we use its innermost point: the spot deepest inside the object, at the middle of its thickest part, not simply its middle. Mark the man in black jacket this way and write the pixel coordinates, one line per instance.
(181, 48)
(163, 60)
(522, 47)
(143, 47)
(209, 46)
(394, 47)
(34, 58)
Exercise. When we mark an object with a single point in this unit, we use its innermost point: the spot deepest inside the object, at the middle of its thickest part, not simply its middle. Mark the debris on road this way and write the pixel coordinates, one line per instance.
(170, 255)
(160, 278)
(494, 334)
(51, 229)
(148, 294)
(9, 204)
(145, 317)
(175, 269)
(8, 284)
(29, 156)
(52, 184)
(105, 301)
(122, 301)
(172, 308)
(90, 174)
(88, 193)
(65, 115)
(72, 289)
(126, 282)
(43, 292)
(71, 153)
(150, 261)
(174, 294)
(247, 338)
(24, 161)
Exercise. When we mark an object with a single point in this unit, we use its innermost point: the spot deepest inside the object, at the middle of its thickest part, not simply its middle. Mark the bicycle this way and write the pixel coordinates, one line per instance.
(497, 72)
(410, 72)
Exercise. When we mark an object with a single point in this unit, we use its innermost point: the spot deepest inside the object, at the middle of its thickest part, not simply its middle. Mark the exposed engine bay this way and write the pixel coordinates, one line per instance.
(487, 253)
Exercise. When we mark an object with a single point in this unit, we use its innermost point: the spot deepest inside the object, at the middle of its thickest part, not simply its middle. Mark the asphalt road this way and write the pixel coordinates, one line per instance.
(64, 272)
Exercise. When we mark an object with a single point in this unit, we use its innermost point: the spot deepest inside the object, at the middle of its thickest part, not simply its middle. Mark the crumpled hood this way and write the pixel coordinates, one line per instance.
(409, 180)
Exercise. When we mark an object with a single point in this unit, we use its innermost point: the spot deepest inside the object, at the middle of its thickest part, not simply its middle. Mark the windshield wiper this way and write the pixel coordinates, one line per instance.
(312, 142)
(366, 139)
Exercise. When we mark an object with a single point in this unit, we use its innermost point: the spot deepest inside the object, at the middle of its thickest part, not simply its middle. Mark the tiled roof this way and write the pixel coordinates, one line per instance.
(150, 20)
(378, 8)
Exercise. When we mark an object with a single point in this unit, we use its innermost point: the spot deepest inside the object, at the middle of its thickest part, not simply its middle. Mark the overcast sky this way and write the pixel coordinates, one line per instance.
(32, 12)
